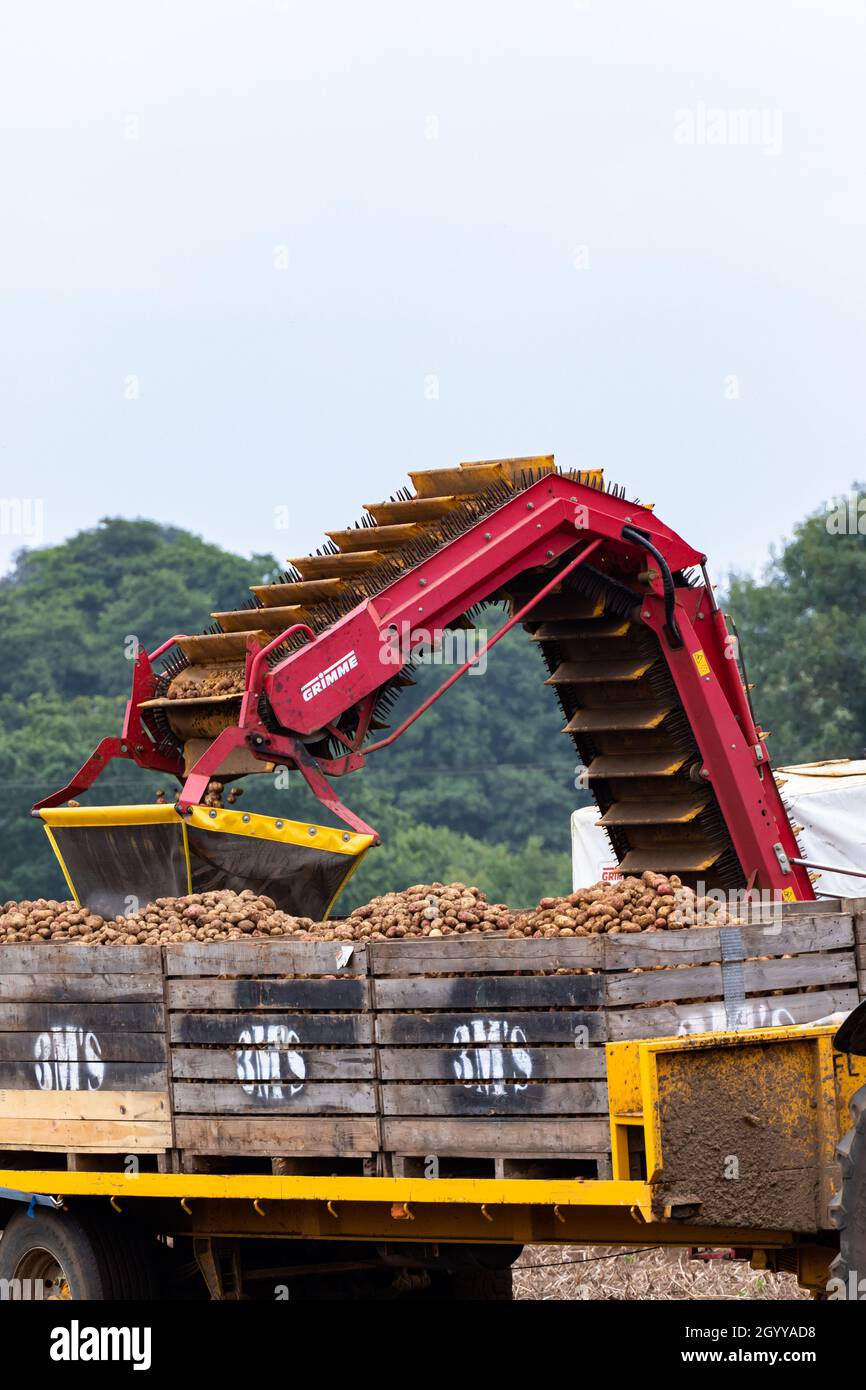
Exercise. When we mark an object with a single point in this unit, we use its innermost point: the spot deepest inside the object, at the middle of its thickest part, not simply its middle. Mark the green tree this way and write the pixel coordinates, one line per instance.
(803, 631)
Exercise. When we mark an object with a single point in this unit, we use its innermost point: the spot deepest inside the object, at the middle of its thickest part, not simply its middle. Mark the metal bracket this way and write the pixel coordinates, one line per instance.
(13, 1194)
(733, 984)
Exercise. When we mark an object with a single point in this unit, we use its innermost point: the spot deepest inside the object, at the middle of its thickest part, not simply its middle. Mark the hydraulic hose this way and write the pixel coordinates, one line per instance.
(631, 533)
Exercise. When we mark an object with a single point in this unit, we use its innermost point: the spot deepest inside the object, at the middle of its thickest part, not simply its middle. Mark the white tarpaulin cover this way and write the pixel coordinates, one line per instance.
(827, 800)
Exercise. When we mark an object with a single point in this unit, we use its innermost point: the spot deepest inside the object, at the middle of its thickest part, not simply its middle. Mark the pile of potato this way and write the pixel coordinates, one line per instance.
(217, 916)
(653, 902)
(428, 909)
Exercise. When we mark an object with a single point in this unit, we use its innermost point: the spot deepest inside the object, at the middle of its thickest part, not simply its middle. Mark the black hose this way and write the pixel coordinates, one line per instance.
(631, 533)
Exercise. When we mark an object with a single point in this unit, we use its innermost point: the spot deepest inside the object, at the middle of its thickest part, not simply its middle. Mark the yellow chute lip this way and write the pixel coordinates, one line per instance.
(276, 829)
(155, 814)
(322, 837)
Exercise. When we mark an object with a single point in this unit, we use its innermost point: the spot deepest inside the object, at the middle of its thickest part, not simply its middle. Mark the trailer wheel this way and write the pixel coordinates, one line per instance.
(848, 1208)
(74, 1260)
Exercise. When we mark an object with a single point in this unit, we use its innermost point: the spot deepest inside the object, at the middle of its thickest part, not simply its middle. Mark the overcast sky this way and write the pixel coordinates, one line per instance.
(260, 257)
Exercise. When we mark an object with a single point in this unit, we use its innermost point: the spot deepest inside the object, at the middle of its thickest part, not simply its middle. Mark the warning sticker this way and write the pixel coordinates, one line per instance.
(788, 895)
(701, 662)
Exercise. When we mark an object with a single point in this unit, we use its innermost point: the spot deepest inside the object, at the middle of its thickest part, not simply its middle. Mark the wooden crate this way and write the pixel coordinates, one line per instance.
(808, 971)
(271, 1050)
(485, 1054)
(83, 1050)
(488, 1053)
(486, 1050)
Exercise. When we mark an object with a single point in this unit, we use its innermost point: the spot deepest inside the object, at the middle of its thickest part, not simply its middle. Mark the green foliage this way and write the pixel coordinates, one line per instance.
(803, 633)
(67, 612)
(416, 853)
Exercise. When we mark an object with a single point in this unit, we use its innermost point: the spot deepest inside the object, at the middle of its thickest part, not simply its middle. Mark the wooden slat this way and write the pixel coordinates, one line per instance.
(568, 629)
(609, 765)
(86, 1136)
(331, 995)
(430, 1030)
(618, 718)
(670, 858)
(25, 1074)
(701, 945)
(138, 1018)
(455, 482)
(353, 1098)
(299, 592)
(556, 607)
(766, 1012)
(222, 646)
(61, 1106)
(440, 1063)
(78, 989)
(673, 810)
(324, 1136)
(501, 1137)
(423, 509)
(113, 1047)
(337, 566)
(381, 537)
(68, 958)
(261, 958)
(494, 992)
(758, 976)
(322, 1064)
(487, 954)
(563, 1098)
(270, 620)
(512, 468)
(591, 672)
(333, 1029)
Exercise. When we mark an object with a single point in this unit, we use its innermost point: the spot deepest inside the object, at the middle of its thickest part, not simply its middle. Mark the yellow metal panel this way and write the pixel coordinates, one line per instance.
(109, 815)
(290, 832)
(62, 862)
(449, 1191)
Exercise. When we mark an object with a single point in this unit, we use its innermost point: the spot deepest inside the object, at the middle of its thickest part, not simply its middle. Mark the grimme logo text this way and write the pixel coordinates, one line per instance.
(327, 677)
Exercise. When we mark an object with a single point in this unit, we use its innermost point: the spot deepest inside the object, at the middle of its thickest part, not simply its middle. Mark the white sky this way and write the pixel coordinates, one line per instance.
(266, 124)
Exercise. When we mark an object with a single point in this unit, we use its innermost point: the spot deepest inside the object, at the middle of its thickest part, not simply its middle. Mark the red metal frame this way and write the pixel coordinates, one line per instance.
(137, 741)
(343, 668)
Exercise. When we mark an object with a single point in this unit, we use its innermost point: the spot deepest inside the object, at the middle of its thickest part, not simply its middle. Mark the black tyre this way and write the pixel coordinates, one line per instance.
(848, 1208)
(75, 1260)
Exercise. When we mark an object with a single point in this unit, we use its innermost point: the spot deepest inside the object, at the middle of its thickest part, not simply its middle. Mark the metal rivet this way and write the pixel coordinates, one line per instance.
(279, 824)
(530, 506)
(487, 536)
(312, 830)
(346, 836)
(422, 582)
(212, 815)
(245, 819)
(550, 554)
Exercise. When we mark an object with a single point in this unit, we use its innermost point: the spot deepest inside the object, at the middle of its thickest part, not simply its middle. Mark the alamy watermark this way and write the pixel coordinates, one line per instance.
(729, 127)
(23, 517)
(847, 517)
(434, 647)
